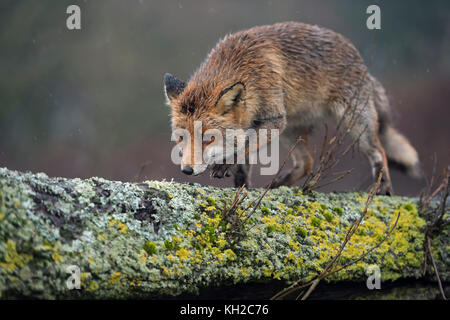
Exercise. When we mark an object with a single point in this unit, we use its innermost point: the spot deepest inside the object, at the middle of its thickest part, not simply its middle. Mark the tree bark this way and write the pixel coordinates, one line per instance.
(158, 239)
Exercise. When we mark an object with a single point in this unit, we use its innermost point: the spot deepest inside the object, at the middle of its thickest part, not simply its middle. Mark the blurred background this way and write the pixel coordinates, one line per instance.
(90, 102)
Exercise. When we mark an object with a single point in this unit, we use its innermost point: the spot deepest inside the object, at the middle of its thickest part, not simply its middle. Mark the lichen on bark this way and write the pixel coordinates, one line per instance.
(159, 238)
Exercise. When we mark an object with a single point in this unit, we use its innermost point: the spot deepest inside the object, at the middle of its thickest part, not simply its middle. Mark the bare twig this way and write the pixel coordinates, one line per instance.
(441, 289)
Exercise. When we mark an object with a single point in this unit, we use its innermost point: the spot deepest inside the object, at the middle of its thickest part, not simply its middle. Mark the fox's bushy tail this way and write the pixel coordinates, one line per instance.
(399, 151)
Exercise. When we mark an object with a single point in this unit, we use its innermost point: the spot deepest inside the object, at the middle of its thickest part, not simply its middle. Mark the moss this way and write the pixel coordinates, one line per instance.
(338, 210)
(150, 247)
(271, 229)
(328, 216)
(315, 222)
(169, 245)
(211, 202)
(301, 232)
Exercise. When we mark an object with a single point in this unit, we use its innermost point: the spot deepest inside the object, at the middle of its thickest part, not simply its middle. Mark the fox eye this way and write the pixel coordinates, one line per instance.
(256, 123)
(185, 109)
(209, 139)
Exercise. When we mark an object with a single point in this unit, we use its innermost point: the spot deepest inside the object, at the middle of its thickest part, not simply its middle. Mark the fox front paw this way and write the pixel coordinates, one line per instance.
(385, 189)
(221, 170)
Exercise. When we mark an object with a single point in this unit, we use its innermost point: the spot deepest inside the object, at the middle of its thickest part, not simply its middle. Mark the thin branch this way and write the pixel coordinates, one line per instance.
(441, 290)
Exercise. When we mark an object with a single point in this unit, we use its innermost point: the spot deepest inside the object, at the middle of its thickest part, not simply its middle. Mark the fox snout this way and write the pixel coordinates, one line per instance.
(191, 165)
(197, 153)
(187, 170)
(193, 170)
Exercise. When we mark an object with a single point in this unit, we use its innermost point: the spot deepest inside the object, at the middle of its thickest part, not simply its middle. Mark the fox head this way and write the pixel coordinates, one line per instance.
(201, 113)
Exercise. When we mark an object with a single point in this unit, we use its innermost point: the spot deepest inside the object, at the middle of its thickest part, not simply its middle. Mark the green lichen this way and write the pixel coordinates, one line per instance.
(164, 238)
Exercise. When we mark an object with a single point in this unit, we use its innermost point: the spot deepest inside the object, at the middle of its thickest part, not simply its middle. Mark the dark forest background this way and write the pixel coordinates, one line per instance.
(90, 102)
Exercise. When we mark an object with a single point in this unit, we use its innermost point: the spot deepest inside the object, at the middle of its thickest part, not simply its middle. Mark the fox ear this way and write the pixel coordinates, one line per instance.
(229, 97)
(173, 86)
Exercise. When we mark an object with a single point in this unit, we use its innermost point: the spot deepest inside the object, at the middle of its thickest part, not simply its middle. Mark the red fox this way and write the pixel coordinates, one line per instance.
(292, 77)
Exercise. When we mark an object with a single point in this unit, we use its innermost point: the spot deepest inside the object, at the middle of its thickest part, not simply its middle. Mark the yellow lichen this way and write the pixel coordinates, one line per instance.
(277, 275)
(56, 256)
(183, 253)
(361, 198)
(230, 254)
(143, 256)
(93, 286)
(267, 272)
(115, 277)
(119, 225)
(84, 276)
(13, 259)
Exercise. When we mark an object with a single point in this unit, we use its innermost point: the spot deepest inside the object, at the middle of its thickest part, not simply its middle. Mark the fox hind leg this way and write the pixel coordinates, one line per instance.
(362, 123)
(372, 148)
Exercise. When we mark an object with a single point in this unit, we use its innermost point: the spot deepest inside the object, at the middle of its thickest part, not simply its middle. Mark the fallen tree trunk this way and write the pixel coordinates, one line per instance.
(157, 239)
